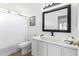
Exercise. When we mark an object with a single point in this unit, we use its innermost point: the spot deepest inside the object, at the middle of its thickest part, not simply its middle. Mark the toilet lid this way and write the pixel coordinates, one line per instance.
(24, 44)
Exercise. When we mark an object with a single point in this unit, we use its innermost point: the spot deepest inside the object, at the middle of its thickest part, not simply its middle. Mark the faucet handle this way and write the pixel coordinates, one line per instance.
(68, 42)
(42, 35)
(72, 37)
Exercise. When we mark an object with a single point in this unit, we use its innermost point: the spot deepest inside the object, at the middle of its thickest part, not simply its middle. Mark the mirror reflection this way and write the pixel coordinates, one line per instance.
(56, 20)
(62, 22)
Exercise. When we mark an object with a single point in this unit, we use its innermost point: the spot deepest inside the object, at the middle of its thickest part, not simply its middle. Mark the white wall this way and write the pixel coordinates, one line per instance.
(35, 9)
(27, 9)
(78, 23)
(38, 28)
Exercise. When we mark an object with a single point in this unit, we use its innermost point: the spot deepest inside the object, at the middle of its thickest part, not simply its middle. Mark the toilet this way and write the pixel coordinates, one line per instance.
(25, 47)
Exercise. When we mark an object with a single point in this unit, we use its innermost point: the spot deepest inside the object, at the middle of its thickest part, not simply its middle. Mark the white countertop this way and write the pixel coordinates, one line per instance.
(56, 43)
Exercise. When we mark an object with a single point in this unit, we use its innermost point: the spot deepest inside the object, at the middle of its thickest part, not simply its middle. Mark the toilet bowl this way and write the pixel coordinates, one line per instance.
(25, 47)
(24, 44)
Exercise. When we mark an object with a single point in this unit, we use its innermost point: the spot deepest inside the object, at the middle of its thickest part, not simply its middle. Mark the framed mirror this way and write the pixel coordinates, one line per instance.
(57, 20)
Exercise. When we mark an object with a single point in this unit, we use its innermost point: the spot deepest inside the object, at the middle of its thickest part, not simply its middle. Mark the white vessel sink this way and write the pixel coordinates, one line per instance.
(51, 38)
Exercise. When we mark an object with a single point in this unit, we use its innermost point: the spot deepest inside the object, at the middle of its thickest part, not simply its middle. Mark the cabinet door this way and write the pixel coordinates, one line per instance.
(42, 48)
(68, 51)
(34, 47)
(54, 50)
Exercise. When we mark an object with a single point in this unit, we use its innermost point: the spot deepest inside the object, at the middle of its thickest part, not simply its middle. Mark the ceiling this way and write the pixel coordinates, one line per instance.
(19, 7)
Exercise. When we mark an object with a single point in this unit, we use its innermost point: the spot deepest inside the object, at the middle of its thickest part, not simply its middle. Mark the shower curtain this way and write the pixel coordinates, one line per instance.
(13, 30)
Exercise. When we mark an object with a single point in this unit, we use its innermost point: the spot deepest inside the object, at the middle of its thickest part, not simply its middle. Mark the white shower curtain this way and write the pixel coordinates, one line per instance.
(13, 29)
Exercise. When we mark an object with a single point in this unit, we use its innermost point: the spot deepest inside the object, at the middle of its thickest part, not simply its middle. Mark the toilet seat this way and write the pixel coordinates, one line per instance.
(24, 44)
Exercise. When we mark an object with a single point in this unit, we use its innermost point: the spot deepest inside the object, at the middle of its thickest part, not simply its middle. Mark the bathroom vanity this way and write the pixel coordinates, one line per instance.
(58, 19)
(51, 46)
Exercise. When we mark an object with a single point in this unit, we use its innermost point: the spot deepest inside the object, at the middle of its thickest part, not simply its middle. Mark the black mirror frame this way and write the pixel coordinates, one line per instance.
(68, 19)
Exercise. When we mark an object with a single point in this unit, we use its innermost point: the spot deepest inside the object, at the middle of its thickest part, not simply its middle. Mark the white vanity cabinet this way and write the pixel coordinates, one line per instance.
(39, 48)
(42, 48)
(68, 51)
(54, 50)
(46, 48)
(34, 47)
